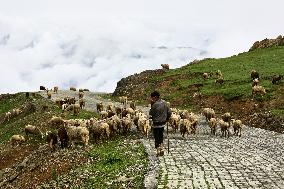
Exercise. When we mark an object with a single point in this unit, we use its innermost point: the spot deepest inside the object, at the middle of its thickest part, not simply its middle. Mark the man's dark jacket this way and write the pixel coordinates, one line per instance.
(160, 113)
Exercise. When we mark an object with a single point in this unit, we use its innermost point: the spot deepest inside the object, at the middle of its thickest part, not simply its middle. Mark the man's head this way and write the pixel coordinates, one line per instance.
(154, 96)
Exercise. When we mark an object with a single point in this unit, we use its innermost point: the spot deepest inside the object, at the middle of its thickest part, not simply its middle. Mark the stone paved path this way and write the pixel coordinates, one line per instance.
(254, 160)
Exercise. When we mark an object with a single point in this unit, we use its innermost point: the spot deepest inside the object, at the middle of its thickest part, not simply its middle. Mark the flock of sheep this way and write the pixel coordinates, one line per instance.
(120, 119)
(256, 88)
(113, 120)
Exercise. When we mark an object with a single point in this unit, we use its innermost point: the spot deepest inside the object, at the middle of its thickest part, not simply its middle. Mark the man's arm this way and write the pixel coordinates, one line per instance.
(151, 112)
(169, 113)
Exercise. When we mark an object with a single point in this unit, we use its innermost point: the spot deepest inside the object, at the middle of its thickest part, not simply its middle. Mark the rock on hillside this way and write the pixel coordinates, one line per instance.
(135, 84)
(266, 43)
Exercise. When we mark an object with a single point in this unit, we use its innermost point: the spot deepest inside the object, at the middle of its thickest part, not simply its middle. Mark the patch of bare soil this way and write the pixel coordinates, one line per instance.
(40, 166)
(11, 155)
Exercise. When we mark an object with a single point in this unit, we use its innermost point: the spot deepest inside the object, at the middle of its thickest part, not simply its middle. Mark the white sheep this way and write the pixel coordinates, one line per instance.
(123, 100)
(255, 82)
(208, 113)
(56, 121)
(213, 125)
(238, 127)
(258, 90)
(185, 127)
(126, 123)
(100, 129)
(8, 116)
(31, 129)
(16, 112)
(100, 107)
(64, 106)
(81, 133)
(17, 139)
(76, 109)
(174, 121)
(81, 95)
(48, 94)
(224, 128)
(82, 103)
(144, 125)
(205, 76)
(103, 114)
(114, 124)
(55, 89)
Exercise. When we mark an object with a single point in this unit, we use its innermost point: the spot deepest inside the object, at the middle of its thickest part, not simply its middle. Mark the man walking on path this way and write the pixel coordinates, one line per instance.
(160, 114)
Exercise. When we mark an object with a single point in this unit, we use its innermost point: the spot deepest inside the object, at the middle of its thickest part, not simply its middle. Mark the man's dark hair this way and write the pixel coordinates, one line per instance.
(155, 93)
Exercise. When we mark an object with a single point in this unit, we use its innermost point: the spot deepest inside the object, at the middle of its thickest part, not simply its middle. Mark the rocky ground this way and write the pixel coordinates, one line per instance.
(253, 160)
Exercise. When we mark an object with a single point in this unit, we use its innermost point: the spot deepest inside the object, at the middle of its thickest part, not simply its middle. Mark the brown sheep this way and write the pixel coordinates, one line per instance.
(219, 81)
(76, 109)
(82, 103)
(219, 74)
(51, 139)
(72, 89)
(208, 113)
(132, 105)
(63, 137)
(227, 118)
(81, 94)
(254, 75)
(276, 79)
(165, 66)
(100, 107)
(205, 76)
(55, 89)
(118, 111)
(42, 88)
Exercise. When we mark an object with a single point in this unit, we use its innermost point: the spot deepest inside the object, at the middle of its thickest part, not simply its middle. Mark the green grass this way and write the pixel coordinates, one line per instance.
(236, 71)
(117, 159)
(9, 103)
(116, 163)
(278, 112)
(84, 114)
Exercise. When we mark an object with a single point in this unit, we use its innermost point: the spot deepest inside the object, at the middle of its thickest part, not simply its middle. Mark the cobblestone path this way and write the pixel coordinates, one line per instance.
(254, 160)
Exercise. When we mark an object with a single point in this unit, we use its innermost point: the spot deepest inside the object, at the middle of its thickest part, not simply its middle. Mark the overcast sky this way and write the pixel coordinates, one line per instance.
(93, 44)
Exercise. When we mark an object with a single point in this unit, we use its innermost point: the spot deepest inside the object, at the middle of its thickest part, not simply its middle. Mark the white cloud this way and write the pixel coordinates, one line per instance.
(93, 44)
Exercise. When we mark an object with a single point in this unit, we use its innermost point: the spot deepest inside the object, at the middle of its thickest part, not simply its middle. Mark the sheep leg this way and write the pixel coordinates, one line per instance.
(50, 144)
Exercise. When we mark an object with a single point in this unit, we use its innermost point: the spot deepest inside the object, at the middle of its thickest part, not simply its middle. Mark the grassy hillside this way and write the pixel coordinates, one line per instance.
(236, 70)
(185, 87)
